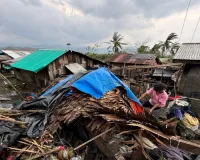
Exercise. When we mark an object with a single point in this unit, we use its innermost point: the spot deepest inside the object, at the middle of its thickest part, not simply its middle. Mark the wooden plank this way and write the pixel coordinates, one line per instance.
(155, 66)
(5, 99)
(174, 141)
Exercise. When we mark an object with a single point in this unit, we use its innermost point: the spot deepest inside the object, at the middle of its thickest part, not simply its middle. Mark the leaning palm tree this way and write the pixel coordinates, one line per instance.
(174, 48)
(155, 49)
(167, 44)
(116, 42)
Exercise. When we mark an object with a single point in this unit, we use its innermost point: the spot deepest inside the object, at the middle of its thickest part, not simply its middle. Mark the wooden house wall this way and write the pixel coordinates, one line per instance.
(38, 79)
(190, 81)
(55, 69)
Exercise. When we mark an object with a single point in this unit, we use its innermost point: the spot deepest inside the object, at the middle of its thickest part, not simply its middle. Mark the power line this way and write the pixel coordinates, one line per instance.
(195, 29)
(184, 20)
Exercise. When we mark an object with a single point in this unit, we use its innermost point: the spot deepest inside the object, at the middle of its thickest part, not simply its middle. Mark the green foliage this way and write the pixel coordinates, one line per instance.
(116, 42)
(101, 57)
(155, 50)
(168, 44)
(143, 49)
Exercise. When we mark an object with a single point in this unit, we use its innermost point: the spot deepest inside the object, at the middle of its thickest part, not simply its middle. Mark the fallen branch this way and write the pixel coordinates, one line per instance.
(21, 150)
(58, 148)
(7, 119)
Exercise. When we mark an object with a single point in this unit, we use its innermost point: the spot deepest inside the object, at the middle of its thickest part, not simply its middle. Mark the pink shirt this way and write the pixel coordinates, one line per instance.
(157, 98)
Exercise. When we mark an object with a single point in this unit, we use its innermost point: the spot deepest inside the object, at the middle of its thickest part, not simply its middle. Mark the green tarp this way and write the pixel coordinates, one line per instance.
(38, 60)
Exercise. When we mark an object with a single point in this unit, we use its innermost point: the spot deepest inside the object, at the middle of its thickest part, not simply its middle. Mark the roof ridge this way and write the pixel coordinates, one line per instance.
(190, 43)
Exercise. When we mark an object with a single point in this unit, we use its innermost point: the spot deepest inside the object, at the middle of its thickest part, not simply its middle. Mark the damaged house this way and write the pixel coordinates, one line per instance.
(9, 56)
(189, 54)
(43, 66)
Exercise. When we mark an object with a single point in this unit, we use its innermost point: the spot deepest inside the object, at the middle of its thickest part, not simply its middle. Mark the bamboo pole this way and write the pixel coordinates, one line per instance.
(80, 146)
(2, 76)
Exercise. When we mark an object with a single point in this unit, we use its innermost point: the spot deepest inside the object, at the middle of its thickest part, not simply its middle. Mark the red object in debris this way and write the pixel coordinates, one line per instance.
(61, 148)
(11, 158)
(28, 98)
(136, 107)
(3, 154)
(172, 98)
(72, 88)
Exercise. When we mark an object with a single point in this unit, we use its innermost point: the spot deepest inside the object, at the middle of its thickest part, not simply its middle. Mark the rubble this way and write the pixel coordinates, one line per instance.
(94, 116)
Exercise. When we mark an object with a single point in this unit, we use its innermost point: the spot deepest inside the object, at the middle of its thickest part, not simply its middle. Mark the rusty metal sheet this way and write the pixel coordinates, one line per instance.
(148, 59)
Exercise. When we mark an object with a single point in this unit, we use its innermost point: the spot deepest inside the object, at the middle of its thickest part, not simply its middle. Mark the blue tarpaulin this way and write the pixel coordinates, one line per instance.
(100, 81)
(57, 85)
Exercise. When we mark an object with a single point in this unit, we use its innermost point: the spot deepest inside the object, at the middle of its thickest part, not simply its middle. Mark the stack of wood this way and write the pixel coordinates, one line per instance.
(113, 111)
(79, 105)
(110, 124)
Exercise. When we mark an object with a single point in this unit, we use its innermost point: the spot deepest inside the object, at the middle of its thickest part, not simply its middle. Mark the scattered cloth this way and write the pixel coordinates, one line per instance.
(182, 103)
(190, 122)
(171, 152)
(146, 143)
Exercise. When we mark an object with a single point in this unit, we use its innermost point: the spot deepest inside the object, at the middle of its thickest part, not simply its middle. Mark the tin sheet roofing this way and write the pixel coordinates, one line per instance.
(16, 54)
(134, 58)
(4, 57)
(38, 60)
(188, 51)
(11, 61)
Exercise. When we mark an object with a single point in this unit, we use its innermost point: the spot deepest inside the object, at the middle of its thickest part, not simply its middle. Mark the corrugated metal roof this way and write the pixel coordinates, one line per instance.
(16, 54)
(11, 61)
(148, 59)
(188, 51)
(38, 60)
(75, 68)
(122, 58)
(4, 57)
(143, 56)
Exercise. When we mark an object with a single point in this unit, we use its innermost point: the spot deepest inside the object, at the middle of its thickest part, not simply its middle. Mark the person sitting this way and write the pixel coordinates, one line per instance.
(158, 97)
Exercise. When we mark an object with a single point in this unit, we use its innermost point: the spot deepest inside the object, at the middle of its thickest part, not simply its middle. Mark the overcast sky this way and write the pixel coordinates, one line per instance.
(53, 23)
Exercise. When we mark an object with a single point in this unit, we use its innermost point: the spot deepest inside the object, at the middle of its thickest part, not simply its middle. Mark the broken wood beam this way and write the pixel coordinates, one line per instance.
(173, 140)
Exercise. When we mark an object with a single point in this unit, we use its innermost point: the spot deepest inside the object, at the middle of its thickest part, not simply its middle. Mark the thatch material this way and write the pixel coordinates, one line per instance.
(79, 105)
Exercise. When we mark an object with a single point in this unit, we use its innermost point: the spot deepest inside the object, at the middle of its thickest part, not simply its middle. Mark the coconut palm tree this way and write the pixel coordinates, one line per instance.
(174, 48)
(167, 44)
(116, 42)
(155, 49)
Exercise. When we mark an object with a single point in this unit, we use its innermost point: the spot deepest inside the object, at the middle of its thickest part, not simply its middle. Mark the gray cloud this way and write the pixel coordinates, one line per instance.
(32, 2)
(120, 8)
(48, 25)
(37, 23)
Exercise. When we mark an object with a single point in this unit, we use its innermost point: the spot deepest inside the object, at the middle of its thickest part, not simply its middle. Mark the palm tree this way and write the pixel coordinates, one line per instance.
(116, 42)
(174, 48)
(167, 44)
(155, 49)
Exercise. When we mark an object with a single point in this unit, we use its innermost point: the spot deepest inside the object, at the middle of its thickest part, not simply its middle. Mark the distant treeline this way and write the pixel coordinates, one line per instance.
(102, 57)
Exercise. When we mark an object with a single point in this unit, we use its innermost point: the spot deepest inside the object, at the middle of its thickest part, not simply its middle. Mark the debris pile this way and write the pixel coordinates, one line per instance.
(93, 116)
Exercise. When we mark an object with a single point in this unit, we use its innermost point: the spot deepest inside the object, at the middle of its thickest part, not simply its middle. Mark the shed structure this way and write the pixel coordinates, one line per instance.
(189, 54)
(43, 66)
